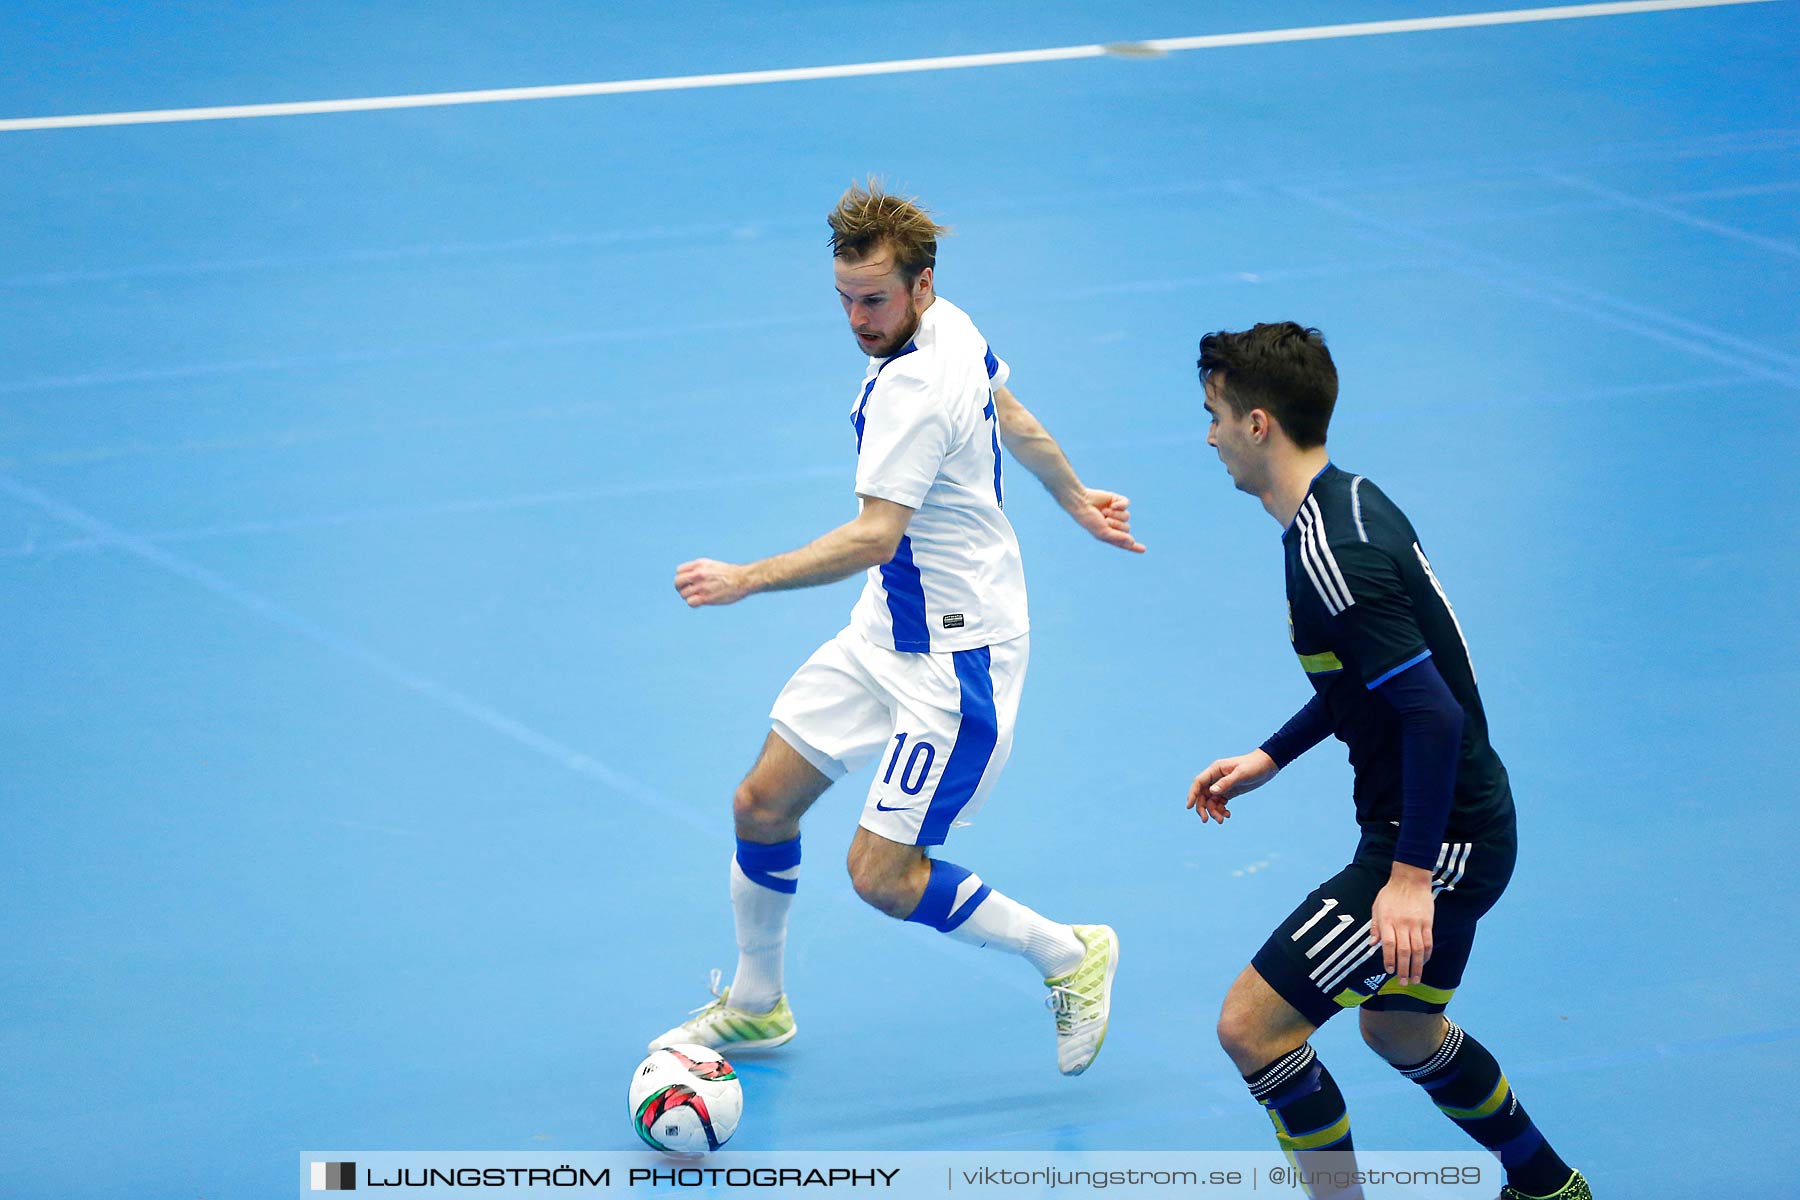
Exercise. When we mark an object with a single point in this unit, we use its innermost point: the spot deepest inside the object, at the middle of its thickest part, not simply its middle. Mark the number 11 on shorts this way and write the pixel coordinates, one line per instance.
(908, 784)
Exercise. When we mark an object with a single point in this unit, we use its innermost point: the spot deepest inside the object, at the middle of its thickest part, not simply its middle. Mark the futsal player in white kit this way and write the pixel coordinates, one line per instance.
(928, 673)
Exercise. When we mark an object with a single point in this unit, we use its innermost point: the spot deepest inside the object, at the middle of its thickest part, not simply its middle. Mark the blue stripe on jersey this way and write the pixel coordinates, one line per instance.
(862, 405)
(988, 412)
(993, 364)
(906, 601)
(975, 741)
(856, 419)
(1414, 661)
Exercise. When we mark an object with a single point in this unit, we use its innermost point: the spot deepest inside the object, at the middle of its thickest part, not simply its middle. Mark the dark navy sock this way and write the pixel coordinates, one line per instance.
(1307, 1110)
(1468, 1086)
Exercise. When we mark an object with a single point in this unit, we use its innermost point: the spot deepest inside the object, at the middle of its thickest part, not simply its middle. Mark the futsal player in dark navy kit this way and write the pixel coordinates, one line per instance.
(1391, 678)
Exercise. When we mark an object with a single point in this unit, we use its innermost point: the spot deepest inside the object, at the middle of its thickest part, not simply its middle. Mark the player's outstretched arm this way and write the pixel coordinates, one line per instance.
(1106, 515)
(1227, 779)
(868, 541)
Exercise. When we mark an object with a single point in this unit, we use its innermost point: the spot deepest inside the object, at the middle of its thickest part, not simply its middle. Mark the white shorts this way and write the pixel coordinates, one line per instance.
(943, 724)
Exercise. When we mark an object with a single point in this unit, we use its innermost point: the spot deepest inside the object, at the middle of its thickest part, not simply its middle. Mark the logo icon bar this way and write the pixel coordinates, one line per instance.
(334, 1177)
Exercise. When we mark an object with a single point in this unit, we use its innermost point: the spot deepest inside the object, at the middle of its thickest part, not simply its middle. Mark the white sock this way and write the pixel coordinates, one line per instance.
(1004, 923)
(761, 916)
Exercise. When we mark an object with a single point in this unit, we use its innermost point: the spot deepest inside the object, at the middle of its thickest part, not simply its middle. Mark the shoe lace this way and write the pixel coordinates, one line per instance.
(718, 993)
(1074, 1008)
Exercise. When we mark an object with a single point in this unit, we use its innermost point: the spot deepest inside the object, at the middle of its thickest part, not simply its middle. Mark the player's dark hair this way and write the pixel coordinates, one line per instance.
(1283, 369)
(870, 218)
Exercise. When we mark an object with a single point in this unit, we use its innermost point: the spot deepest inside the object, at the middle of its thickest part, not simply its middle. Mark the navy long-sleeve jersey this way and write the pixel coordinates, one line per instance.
(1364, 607)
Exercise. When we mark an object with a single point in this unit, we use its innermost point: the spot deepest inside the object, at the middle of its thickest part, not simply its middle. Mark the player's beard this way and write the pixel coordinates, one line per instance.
(891, 346)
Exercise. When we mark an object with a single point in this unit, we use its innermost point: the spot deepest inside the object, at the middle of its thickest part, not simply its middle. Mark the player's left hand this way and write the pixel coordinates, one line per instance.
(705, 581)
(1106, 515)
(1400, 923)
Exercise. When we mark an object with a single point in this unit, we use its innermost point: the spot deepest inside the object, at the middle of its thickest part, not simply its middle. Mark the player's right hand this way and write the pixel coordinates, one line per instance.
(1227, 779)
(706, 581)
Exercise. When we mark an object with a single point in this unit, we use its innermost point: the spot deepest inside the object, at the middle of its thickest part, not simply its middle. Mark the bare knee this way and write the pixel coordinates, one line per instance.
(749, 809)
(1240, 1032)
(1256, 1026)
(1403, 1038)
(769, 803)
(887, 883)
(761, 815)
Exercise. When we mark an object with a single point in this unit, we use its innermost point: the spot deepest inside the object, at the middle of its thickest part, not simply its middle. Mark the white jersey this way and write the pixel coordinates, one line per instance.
(928, 437)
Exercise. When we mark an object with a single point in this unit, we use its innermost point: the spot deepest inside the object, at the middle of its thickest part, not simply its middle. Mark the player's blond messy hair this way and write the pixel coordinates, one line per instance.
(869, 218)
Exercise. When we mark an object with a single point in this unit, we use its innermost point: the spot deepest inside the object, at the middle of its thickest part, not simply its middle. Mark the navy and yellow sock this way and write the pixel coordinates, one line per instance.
(1468, 1087)
(1307, 1110)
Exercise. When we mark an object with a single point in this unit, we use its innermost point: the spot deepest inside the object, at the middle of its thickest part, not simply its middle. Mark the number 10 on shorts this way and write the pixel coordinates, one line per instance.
(918, 765)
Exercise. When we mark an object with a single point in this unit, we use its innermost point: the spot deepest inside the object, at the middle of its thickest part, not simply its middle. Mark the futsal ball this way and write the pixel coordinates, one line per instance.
(685, 1100)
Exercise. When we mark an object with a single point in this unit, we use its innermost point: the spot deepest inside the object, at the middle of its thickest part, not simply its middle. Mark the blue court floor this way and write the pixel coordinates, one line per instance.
(364, 783)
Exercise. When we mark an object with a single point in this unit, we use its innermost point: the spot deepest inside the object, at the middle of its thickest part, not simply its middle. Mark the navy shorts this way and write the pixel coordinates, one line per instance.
(1320, 961)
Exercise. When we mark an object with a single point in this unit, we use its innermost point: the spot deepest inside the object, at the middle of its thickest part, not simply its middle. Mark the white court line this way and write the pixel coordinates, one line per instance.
(712, 830)
(31, 548)
(1733, 193)
(414, 351)
(1692, 336)
(430, 689)
(1670, 212)
(1425, 174)
(904, 66)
